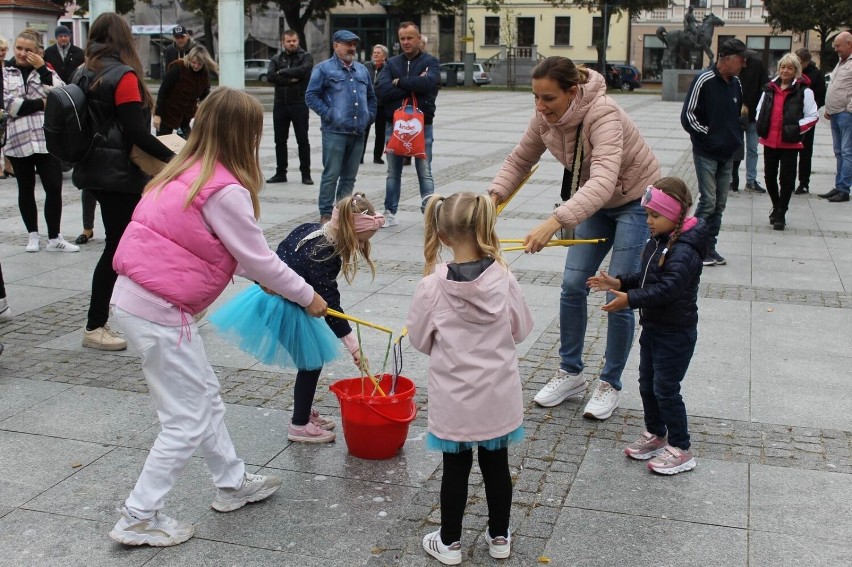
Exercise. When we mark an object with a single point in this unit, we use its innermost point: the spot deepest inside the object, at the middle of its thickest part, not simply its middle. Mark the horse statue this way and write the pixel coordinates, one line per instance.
(679, 43)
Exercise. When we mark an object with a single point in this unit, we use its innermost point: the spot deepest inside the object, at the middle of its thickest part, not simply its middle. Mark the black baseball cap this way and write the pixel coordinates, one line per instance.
(179, 31)
(735, 47)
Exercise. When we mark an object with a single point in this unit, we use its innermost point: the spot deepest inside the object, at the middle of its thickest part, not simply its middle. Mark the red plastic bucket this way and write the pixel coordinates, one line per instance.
(375, 426)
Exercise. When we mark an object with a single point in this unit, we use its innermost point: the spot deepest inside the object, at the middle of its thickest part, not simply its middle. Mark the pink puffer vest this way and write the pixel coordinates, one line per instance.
(168, 250)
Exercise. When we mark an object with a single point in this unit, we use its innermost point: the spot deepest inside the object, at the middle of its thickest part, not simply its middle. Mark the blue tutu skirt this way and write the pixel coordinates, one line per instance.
(434, 443)
(276, 331)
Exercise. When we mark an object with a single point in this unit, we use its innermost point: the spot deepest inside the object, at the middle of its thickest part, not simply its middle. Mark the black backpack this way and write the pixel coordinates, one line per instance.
(67, 128)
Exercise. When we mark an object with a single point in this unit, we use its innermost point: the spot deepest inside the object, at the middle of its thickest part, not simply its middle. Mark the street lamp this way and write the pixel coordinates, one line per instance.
(472, 29)
(470, 57)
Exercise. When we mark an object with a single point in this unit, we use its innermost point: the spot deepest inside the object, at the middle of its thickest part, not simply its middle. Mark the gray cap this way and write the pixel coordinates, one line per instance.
(735, 47)
(345, 36)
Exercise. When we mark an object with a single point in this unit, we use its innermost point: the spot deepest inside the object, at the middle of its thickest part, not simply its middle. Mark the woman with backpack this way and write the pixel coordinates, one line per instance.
(26, 81)
(120, 106)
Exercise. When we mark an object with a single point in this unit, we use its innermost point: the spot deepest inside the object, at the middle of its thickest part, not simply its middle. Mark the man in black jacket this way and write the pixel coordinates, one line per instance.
(817, 79)
(753, 78)
(63, 56)
(178, 50)
(290, 72)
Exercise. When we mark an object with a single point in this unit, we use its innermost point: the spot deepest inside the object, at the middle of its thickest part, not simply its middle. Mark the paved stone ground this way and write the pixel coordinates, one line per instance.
(770, 425)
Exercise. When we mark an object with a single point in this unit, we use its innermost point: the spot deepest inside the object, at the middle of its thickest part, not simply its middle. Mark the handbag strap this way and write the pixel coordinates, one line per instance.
(413, 98)
(576, 166)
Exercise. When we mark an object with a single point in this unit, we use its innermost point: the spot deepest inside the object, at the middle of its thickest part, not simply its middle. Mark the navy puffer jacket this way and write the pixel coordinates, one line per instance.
(667, 297)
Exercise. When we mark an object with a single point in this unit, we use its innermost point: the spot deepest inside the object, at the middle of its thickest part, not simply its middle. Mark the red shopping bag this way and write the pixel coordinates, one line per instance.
(408, 135)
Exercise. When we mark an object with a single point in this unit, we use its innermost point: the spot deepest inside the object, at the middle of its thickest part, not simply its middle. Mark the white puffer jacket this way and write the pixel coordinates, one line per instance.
(617, 163)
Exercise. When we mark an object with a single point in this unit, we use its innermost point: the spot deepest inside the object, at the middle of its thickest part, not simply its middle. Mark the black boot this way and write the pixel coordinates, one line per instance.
(772, 215)
(779, 222)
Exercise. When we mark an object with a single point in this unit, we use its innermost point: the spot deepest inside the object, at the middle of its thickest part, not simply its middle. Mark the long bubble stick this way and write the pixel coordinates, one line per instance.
(502, 205)
(340, 315)
(558, 243)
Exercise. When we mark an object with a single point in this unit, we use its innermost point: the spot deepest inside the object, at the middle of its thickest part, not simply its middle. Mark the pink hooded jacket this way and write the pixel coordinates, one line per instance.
(469, 330)
(617, 163)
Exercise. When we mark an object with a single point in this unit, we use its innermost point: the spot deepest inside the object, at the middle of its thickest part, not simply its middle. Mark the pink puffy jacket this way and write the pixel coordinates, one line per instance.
(617, 163)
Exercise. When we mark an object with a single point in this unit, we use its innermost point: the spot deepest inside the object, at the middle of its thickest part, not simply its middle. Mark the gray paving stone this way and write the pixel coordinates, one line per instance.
(17, 395)
(199, 552)
(789, 550)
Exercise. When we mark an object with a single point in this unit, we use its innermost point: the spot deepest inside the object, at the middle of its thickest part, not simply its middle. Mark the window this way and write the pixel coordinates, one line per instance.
(736, 3)
(526, 32)
(492, 30)
(698, 3)
(562, 31)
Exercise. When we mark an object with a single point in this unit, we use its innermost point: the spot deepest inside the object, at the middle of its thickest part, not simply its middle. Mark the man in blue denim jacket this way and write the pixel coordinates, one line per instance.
(341, 93)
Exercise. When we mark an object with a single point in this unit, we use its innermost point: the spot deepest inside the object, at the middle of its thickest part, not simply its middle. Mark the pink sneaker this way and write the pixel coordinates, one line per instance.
(321, 422)
(645, 447)
(309, 433)
(672, 461)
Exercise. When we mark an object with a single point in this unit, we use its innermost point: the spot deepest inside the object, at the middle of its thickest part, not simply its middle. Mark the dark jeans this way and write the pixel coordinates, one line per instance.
(379, 129)
(282, 116)
(303, 395)
(498, 491)
(805, 155)
(116, 210)
(50, 172)
(714, 180)
(89, 205)
(786, 159)
(663, 360)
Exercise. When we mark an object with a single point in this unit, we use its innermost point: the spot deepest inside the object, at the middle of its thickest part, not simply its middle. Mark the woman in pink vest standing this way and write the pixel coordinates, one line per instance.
(195, 227)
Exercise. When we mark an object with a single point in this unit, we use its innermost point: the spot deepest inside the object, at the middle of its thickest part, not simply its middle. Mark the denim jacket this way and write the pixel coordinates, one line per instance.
(343, 98)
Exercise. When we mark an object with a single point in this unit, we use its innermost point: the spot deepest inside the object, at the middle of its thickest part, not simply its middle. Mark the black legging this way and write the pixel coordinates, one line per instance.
(116, 210)
(303, 395)
(50, 172)
(498, 491)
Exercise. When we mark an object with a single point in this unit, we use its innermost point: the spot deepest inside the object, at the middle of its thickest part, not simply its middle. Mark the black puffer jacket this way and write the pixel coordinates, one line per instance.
(667, 297)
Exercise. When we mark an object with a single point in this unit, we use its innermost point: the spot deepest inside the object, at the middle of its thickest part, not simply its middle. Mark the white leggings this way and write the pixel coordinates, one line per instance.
(185, 391)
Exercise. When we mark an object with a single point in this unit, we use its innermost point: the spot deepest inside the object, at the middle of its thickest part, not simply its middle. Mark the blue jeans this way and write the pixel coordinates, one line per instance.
(841, 138)
(714, 179)
(393, 185)
(751, 152)
(664, 357)
(626, 231)
(341, 154)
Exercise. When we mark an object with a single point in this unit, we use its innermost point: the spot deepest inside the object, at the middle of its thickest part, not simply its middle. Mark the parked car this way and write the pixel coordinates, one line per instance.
(255, 69)
(480, 76)
(631, 77)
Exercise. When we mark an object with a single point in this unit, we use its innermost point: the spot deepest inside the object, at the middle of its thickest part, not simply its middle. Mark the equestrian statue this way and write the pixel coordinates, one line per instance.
(680, 42)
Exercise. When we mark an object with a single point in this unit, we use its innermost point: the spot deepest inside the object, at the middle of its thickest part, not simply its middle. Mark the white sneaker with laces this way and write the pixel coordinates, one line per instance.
(59, 244)
(499, 547)
(603, 401)
(5, 311)
(560, 387)
(390, 220)
(446, 554)
(157, 531)
(257, 487)
(33, 245)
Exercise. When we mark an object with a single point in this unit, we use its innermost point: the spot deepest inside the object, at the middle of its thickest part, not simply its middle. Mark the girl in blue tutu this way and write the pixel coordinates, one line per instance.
(278, 332)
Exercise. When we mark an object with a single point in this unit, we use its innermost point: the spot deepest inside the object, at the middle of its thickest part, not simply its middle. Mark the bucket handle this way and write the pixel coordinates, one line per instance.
(395, 419)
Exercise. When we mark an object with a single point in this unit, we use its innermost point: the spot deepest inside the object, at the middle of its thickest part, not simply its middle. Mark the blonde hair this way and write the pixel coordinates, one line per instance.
(675, 188)
(791, 59)
(466, 217)
(345, 239)
(200, 53)
(4, 43)
(227, 130)
(32, 35)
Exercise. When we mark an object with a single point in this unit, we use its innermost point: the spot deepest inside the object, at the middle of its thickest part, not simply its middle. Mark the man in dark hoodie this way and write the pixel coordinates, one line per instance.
(753, 78)
(817, 79)
(711, 114)
(179, 49)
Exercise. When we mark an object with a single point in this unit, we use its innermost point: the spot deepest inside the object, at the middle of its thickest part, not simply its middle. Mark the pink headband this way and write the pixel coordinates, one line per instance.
(363, 222)
(662, 203)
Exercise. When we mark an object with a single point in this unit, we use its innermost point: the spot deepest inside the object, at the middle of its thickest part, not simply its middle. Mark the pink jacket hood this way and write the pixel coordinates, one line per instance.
(469, 329)
(617, 163)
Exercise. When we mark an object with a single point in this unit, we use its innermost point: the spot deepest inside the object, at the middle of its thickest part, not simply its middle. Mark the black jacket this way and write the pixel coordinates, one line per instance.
(65, 69)
(817, 78)
(290, 74)
(794, 110)
(711, 114)
(667, 297)
(752, 77)
(408, 72)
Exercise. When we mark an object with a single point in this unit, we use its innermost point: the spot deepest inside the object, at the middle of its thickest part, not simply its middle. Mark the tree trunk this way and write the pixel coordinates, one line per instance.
(208, 34)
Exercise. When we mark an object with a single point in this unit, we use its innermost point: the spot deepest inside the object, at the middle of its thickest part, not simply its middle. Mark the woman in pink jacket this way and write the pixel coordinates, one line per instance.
(194, 227)
(467, 316)
(611, 166)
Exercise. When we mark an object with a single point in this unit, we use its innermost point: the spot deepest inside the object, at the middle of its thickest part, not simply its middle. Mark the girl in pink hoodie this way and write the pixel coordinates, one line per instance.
(194, 228)
(468, 315)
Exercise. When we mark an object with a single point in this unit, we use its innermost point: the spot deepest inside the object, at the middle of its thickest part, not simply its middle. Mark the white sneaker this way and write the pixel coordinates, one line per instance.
(560, 387)
(257, 487)
(390, 220)
(33, 245)
(103, 338)
(446, 554)
(5, 311)
(499, 547)
(603, 401)
(157, 531)
(59, 244)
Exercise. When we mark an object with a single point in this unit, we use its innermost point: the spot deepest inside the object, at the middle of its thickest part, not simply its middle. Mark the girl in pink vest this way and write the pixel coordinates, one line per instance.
(468, 315)
(194, 228)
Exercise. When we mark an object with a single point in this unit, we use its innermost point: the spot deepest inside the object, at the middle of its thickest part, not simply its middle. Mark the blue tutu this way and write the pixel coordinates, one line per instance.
(434, 443)
(276, 331)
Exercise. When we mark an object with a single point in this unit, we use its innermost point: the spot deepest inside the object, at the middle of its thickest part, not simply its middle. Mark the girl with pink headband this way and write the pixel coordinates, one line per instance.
(665, 291)
(318, 253)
